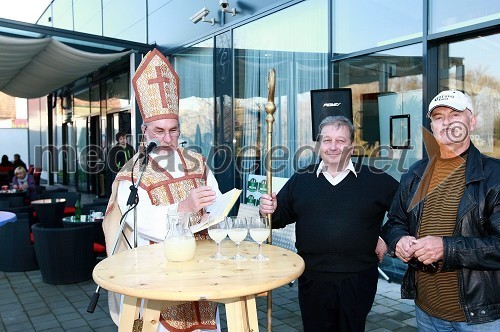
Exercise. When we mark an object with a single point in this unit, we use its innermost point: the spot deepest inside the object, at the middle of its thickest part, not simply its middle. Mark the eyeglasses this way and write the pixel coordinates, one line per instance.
(175, 132)
(419, 266)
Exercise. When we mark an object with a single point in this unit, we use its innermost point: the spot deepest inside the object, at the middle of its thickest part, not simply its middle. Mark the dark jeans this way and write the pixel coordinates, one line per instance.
(337, 306)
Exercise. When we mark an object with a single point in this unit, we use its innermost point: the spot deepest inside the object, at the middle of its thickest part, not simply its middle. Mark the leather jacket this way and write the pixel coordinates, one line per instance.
(474, 248)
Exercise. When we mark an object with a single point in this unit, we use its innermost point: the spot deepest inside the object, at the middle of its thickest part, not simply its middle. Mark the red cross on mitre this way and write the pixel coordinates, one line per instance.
(156, 87)
(161, 81)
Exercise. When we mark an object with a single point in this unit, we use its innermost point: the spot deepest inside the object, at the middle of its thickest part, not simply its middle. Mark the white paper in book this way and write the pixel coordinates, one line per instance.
(218, 210)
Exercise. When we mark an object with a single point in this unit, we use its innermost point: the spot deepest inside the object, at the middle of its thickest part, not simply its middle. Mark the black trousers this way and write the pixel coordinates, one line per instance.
(337, 306)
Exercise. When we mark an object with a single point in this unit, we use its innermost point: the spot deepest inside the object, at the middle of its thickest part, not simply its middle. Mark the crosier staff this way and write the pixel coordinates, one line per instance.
(270, 109)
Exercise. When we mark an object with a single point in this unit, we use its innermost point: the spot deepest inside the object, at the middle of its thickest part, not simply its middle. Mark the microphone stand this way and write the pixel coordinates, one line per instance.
(132, 201)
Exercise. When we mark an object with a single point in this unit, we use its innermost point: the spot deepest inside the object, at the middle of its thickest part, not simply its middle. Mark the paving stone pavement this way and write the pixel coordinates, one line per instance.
(29, 304)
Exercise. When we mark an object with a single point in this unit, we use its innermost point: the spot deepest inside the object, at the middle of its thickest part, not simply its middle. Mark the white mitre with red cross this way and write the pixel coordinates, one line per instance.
(156, 87)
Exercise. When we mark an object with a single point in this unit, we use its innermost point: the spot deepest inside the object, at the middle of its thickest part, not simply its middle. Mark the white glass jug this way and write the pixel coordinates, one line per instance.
(179, 244)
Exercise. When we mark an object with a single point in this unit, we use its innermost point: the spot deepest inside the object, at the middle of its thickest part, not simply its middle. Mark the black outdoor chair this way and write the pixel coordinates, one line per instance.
(4, 204)
(65, 255)
(16, 201)
(17, 253)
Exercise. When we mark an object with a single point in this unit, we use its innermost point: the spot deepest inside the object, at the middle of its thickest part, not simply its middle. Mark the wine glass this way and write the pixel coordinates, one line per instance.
(91, 215)
(218, 232)
(259, 231)
(237, 232)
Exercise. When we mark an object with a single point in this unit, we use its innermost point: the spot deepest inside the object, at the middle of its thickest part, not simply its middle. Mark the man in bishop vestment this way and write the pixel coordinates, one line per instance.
(174, 180)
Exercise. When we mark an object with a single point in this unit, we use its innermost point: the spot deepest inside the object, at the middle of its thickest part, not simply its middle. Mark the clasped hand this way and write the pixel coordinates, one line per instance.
(428, 249)
(198, 198)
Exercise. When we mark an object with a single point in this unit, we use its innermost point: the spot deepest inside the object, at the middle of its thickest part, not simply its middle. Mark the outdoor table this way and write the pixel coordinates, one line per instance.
(144, 273)
(70, 221)
(6, 217)
(84, 219)
(13, 193)
(49, 211)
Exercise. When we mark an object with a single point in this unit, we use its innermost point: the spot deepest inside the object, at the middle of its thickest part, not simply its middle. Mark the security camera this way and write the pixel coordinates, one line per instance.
(200, 15)
(224, 6)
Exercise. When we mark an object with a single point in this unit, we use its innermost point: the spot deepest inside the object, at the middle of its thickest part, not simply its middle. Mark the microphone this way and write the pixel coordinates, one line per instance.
(153, 144)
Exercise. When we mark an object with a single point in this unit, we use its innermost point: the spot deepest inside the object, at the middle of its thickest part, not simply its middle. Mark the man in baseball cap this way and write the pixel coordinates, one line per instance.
(445, 223)
(453, 99)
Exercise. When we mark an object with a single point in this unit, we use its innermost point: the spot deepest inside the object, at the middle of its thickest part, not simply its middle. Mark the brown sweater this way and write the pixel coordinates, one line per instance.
(438, 293)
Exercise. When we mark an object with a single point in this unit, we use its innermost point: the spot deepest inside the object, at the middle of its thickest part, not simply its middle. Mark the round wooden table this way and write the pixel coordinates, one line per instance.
(144, 273)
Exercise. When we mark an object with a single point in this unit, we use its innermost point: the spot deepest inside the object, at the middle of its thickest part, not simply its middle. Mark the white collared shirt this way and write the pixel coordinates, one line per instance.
(341, 176)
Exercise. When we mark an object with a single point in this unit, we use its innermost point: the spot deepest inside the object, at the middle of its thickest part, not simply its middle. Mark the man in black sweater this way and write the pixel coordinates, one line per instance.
(338, 210)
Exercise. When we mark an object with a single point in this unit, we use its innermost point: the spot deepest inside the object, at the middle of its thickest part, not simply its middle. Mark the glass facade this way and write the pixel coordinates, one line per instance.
(89, 17)
(62, 14)
(450, 15)
(384, 84)
(117, 93)
(109, 18)
(472, 66)
(85, 126)
(129, 24)
(294, 43)
(377, 23)
(196, 104)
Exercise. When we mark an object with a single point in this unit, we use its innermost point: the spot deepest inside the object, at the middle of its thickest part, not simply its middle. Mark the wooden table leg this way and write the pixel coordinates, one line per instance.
(241, 314)
(129, 313)
(152, 309)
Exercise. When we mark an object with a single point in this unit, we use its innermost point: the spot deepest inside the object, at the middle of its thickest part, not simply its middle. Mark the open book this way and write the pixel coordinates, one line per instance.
(218, 210)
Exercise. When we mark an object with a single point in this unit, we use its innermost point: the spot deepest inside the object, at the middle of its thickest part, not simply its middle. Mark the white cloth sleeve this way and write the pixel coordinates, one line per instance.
(151, 219)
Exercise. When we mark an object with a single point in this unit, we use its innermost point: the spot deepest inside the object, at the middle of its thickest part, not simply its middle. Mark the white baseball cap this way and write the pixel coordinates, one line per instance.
(453, 99)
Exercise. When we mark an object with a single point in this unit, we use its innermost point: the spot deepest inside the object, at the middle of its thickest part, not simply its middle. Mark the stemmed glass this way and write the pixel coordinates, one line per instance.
(259, 231)
(218, 232)
(91, 215)
(237, 232)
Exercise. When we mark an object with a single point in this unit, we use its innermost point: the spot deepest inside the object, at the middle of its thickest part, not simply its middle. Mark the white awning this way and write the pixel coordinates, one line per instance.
(33, 68)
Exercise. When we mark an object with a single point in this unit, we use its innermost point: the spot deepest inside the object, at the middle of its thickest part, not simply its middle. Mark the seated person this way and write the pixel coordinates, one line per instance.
(23, 180)
(5, 161)
(6, 171)
(18, 162)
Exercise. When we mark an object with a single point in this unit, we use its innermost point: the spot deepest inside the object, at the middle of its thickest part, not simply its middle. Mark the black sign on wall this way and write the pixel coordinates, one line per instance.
(328, 102)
